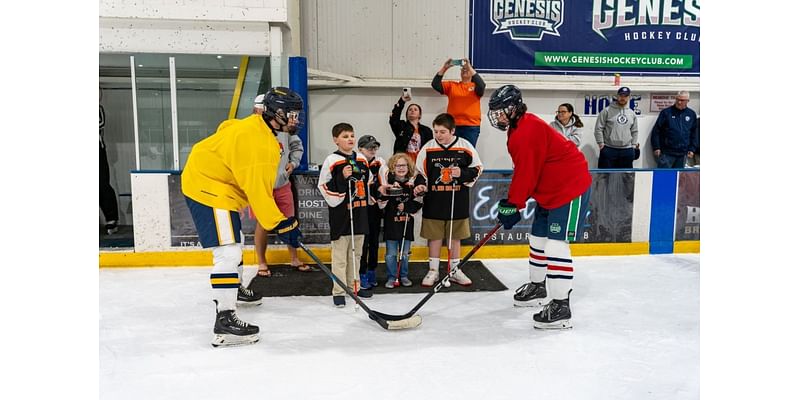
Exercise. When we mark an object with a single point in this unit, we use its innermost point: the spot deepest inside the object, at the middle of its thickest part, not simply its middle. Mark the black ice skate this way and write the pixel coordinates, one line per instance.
(555, 315)
(229, 330)
(531, 294)
(247, 297)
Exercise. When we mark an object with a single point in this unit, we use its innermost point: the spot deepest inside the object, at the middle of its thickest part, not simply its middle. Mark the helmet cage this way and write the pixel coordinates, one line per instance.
(284, 105)
(494, 117)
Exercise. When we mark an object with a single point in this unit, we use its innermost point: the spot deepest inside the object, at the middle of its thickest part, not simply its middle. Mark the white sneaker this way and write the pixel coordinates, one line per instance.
(430, 278)
(460, 278)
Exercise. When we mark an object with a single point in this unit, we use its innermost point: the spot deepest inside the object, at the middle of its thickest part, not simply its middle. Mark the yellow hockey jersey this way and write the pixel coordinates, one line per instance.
(234, 167)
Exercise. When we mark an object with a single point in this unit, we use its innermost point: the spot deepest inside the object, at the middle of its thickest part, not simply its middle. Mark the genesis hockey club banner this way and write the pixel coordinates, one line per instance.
(645, 37)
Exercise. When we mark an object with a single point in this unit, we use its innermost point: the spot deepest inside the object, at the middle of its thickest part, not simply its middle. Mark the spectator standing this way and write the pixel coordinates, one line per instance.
(368, 146)
(449, 166)
(617, 133)
(409, 134)
(399, 175)
(108, 197)
(675, 135)
(344, 183)
(463, 98)
(568, 124)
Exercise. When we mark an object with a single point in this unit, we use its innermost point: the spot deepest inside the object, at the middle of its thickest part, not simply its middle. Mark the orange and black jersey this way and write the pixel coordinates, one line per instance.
(433, 163)
(375, 166)
(339, 192)
(394, 220)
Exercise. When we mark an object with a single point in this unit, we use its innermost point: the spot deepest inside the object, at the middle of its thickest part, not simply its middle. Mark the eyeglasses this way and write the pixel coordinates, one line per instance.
(401, 165)
(682, 100)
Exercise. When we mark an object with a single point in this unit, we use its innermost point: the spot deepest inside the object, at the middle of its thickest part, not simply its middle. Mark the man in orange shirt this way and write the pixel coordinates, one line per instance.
(463, 98)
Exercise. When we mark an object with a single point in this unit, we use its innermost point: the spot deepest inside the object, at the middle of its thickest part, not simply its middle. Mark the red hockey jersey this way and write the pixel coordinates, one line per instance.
(547, 167)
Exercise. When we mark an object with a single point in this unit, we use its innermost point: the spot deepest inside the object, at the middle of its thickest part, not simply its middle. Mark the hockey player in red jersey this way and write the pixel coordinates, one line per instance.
(551, 170)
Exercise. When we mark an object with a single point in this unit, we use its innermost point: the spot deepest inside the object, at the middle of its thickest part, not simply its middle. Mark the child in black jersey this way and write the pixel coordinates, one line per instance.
(343, 180)
(399, 203)
(450, 166)
(368, 146)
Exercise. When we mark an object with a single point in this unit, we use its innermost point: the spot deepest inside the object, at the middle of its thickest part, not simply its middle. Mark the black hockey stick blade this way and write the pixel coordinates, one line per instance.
(441, 283)
(394, 322)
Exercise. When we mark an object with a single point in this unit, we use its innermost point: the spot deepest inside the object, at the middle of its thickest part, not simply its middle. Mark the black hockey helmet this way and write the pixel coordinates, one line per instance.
(282, 104)
(507, 99)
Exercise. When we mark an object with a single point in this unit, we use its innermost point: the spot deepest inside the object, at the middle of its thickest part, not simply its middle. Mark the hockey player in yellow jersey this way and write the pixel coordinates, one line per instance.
(225, 172)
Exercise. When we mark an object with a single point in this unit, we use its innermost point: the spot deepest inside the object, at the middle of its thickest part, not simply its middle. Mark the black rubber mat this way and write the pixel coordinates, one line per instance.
(122, 238)
(288, 281)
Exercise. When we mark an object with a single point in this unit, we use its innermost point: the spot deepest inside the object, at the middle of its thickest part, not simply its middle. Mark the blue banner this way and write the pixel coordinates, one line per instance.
(644, 37)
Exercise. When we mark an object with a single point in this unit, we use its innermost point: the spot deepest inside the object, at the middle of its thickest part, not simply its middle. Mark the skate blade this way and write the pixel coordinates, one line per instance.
(222, 340)
(408, 323)
(529, 303)
(248, 303)
(563, 324)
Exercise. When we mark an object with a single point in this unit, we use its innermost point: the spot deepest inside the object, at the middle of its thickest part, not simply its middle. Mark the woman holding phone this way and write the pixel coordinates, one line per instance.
(463, 98)
(409, 134)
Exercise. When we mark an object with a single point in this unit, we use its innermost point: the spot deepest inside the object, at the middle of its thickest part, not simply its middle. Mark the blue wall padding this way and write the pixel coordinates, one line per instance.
(662, 212)
(298, 81)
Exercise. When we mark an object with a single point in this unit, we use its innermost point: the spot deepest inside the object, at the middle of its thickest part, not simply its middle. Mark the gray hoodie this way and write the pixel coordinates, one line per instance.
(616, 127)
(291, 152)
(570, 131)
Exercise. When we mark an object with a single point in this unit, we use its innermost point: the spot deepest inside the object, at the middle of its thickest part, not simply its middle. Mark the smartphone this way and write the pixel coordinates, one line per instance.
(457, 62)
(407, 91)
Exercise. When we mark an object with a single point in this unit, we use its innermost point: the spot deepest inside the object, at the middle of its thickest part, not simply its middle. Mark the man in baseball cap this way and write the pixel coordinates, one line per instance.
(616, 131)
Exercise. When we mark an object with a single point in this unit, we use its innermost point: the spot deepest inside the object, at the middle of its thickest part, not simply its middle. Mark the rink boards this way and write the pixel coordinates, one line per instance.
(631, 212)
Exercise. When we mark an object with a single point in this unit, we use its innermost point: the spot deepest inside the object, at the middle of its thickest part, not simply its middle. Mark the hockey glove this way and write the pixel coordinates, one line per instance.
(507, 214)
(288, 231)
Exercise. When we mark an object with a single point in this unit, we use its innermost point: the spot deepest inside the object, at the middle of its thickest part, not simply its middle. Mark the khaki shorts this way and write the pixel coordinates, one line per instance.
(437, 229)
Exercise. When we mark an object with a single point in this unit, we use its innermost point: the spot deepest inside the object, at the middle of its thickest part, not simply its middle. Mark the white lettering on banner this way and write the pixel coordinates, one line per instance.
(611, 14)
(515, 236)
(310, 215)
(660, 35)
(526, 19)
(592, 104)
(483, 199)
(306, 192)
(312, 203)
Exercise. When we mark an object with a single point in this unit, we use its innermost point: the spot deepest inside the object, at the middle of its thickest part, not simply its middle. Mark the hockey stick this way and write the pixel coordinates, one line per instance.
(450, 239)
(386, 321)
(439, 286)
(356, 279)
(400, 258)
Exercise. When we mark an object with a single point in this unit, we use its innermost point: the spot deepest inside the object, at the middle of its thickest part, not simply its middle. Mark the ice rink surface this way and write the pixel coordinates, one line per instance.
(636, 336)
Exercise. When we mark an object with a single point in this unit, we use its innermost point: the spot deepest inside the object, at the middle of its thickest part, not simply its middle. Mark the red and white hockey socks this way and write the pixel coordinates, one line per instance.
(537, 261)
(559, 269)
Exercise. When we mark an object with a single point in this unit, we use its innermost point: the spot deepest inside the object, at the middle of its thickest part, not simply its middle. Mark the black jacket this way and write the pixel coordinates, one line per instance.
(403, 130)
